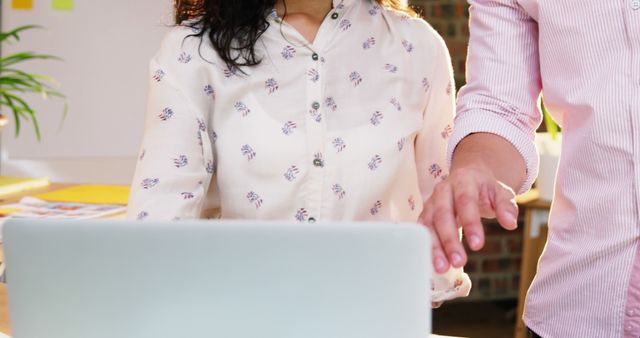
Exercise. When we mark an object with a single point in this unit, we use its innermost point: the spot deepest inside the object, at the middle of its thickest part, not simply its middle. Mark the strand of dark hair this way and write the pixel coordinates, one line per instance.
(233, 27)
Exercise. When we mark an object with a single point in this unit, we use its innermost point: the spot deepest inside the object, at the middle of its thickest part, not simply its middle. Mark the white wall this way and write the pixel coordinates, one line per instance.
(106, 46)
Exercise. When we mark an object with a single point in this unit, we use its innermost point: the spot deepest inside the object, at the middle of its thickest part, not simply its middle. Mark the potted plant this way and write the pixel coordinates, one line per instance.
(15, 83)
(549, 146)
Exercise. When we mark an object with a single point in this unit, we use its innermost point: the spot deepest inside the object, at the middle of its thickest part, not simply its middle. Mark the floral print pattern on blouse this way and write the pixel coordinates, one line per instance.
(353, 126)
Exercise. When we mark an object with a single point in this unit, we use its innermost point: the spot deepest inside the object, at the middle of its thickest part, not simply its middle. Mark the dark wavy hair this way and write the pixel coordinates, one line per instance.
(234, 26)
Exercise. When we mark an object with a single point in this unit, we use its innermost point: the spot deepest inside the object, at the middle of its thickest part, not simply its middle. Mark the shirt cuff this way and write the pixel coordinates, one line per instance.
(479, 121)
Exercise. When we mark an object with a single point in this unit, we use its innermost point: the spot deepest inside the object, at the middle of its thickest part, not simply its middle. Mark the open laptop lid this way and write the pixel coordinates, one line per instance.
(105, 279)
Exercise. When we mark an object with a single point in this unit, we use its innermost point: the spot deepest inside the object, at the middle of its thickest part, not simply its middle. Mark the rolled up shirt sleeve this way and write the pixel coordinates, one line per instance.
(503, 80)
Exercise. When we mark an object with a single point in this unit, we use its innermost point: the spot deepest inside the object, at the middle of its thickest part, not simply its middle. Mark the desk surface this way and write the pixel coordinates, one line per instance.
(4, 310)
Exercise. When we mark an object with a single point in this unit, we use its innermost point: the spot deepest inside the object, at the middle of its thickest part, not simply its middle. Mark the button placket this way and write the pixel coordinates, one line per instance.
(315, 133)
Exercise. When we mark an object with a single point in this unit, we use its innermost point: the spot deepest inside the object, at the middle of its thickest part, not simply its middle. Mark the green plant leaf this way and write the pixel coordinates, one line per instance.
(15, 33)
(15, 82)
(16, 113)
(24, 82)
(36, 126)
(24, 56)
(552, 127)
(25, 109)
(31, 76)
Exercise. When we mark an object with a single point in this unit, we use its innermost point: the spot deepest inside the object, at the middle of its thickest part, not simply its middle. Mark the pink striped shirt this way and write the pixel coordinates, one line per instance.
(586, 56)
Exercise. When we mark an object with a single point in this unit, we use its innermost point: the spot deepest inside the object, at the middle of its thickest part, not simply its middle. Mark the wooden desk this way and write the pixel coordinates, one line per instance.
(4, 310)
(536, 215)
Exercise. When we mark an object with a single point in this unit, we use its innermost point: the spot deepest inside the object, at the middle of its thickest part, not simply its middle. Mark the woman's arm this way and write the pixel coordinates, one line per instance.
(175, 165)
(431, 157)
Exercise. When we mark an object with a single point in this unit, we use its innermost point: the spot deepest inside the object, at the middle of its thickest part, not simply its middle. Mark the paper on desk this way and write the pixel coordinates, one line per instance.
(34, 208)
(30, 207)
(2, 335)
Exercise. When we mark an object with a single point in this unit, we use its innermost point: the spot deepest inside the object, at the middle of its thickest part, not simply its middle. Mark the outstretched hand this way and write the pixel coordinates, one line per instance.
(466, 196)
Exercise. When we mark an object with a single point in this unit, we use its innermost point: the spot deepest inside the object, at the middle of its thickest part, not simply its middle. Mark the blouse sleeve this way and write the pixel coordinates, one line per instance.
(431, 157)
(175, 165)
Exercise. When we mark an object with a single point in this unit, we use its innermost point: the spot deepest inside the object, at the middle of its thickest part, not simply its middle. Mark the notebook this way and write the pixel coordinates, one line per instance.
(92, 194)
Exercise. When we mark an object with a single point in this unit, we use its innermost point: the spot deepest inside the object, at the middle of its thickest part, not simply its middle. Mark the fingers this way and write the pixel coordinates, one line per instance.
(467, 207)
(438, 256)
(463, 200)
(505, 207)
(446, 227)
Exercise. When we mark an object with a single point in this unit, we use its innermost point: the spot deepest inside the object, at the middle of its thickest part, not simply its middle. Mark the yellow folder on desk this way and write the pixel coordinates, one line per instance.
(13, 184)
(93, 194)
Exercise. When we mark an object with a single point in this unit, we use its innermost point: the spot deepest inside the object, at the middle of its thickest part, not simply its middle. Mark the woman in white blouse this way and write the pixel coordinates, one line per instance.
(300, 110)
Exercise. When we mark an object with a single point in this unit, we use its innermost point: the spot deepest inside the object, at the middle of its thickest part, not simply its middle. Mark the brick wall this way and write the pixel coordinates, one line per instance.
(495, 271)
(450, 19)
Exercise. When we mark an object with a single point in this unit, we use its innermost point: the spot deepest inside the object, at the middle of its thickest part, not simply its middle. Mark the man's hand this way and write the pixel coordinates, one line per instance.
(471, 192)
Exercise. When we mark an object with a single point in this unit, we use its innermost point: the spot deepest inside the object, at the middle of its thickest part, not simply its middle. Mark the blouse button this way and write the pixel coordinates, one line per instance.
(334, 16)
(315, 105)
(312, 220)
(318, 163)
(315, 56)
(635, 5)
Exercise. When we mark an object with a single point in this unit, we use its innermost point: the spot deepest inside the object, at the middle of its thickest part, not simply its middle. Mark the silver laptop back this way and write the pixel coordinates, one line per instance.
(217, 279)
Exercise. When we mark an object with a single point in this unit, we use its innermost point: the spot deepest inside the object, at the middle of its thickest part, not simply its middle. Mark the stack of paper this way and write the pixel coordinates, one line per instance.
(34, 208)
(30, 207)
(76, 202)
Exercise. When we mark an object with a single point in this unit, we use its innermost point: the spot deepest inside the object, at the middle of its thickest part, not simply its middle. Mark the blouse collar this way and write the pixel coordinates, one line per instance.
(338, 5)
(341, 4)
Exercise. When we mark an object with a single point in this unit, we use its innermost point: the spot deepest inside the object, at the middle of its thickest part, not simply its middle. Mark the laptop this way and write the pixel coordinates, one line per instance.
(217, 279)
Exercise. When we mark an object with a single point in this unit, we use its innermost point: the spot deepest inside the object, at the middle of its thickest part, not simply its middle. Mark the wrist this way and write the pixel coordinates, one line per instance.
(492, 156)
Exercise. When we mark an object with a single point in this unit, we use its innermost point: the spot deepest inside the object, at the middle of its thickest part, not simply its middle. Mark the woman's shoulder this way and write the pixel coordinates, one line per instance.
(183, 38)
(186, 44)
(414, 28)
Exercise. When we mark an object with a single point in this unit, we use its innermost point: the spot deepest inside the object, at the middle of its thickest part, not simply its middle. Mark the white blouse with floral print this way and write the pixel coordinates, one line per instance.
(353, 126)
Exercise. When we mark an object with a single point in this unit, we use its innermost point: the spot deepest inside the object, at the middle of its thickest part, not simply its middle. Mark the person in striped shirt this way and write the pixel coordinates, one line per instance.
(585, 54)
